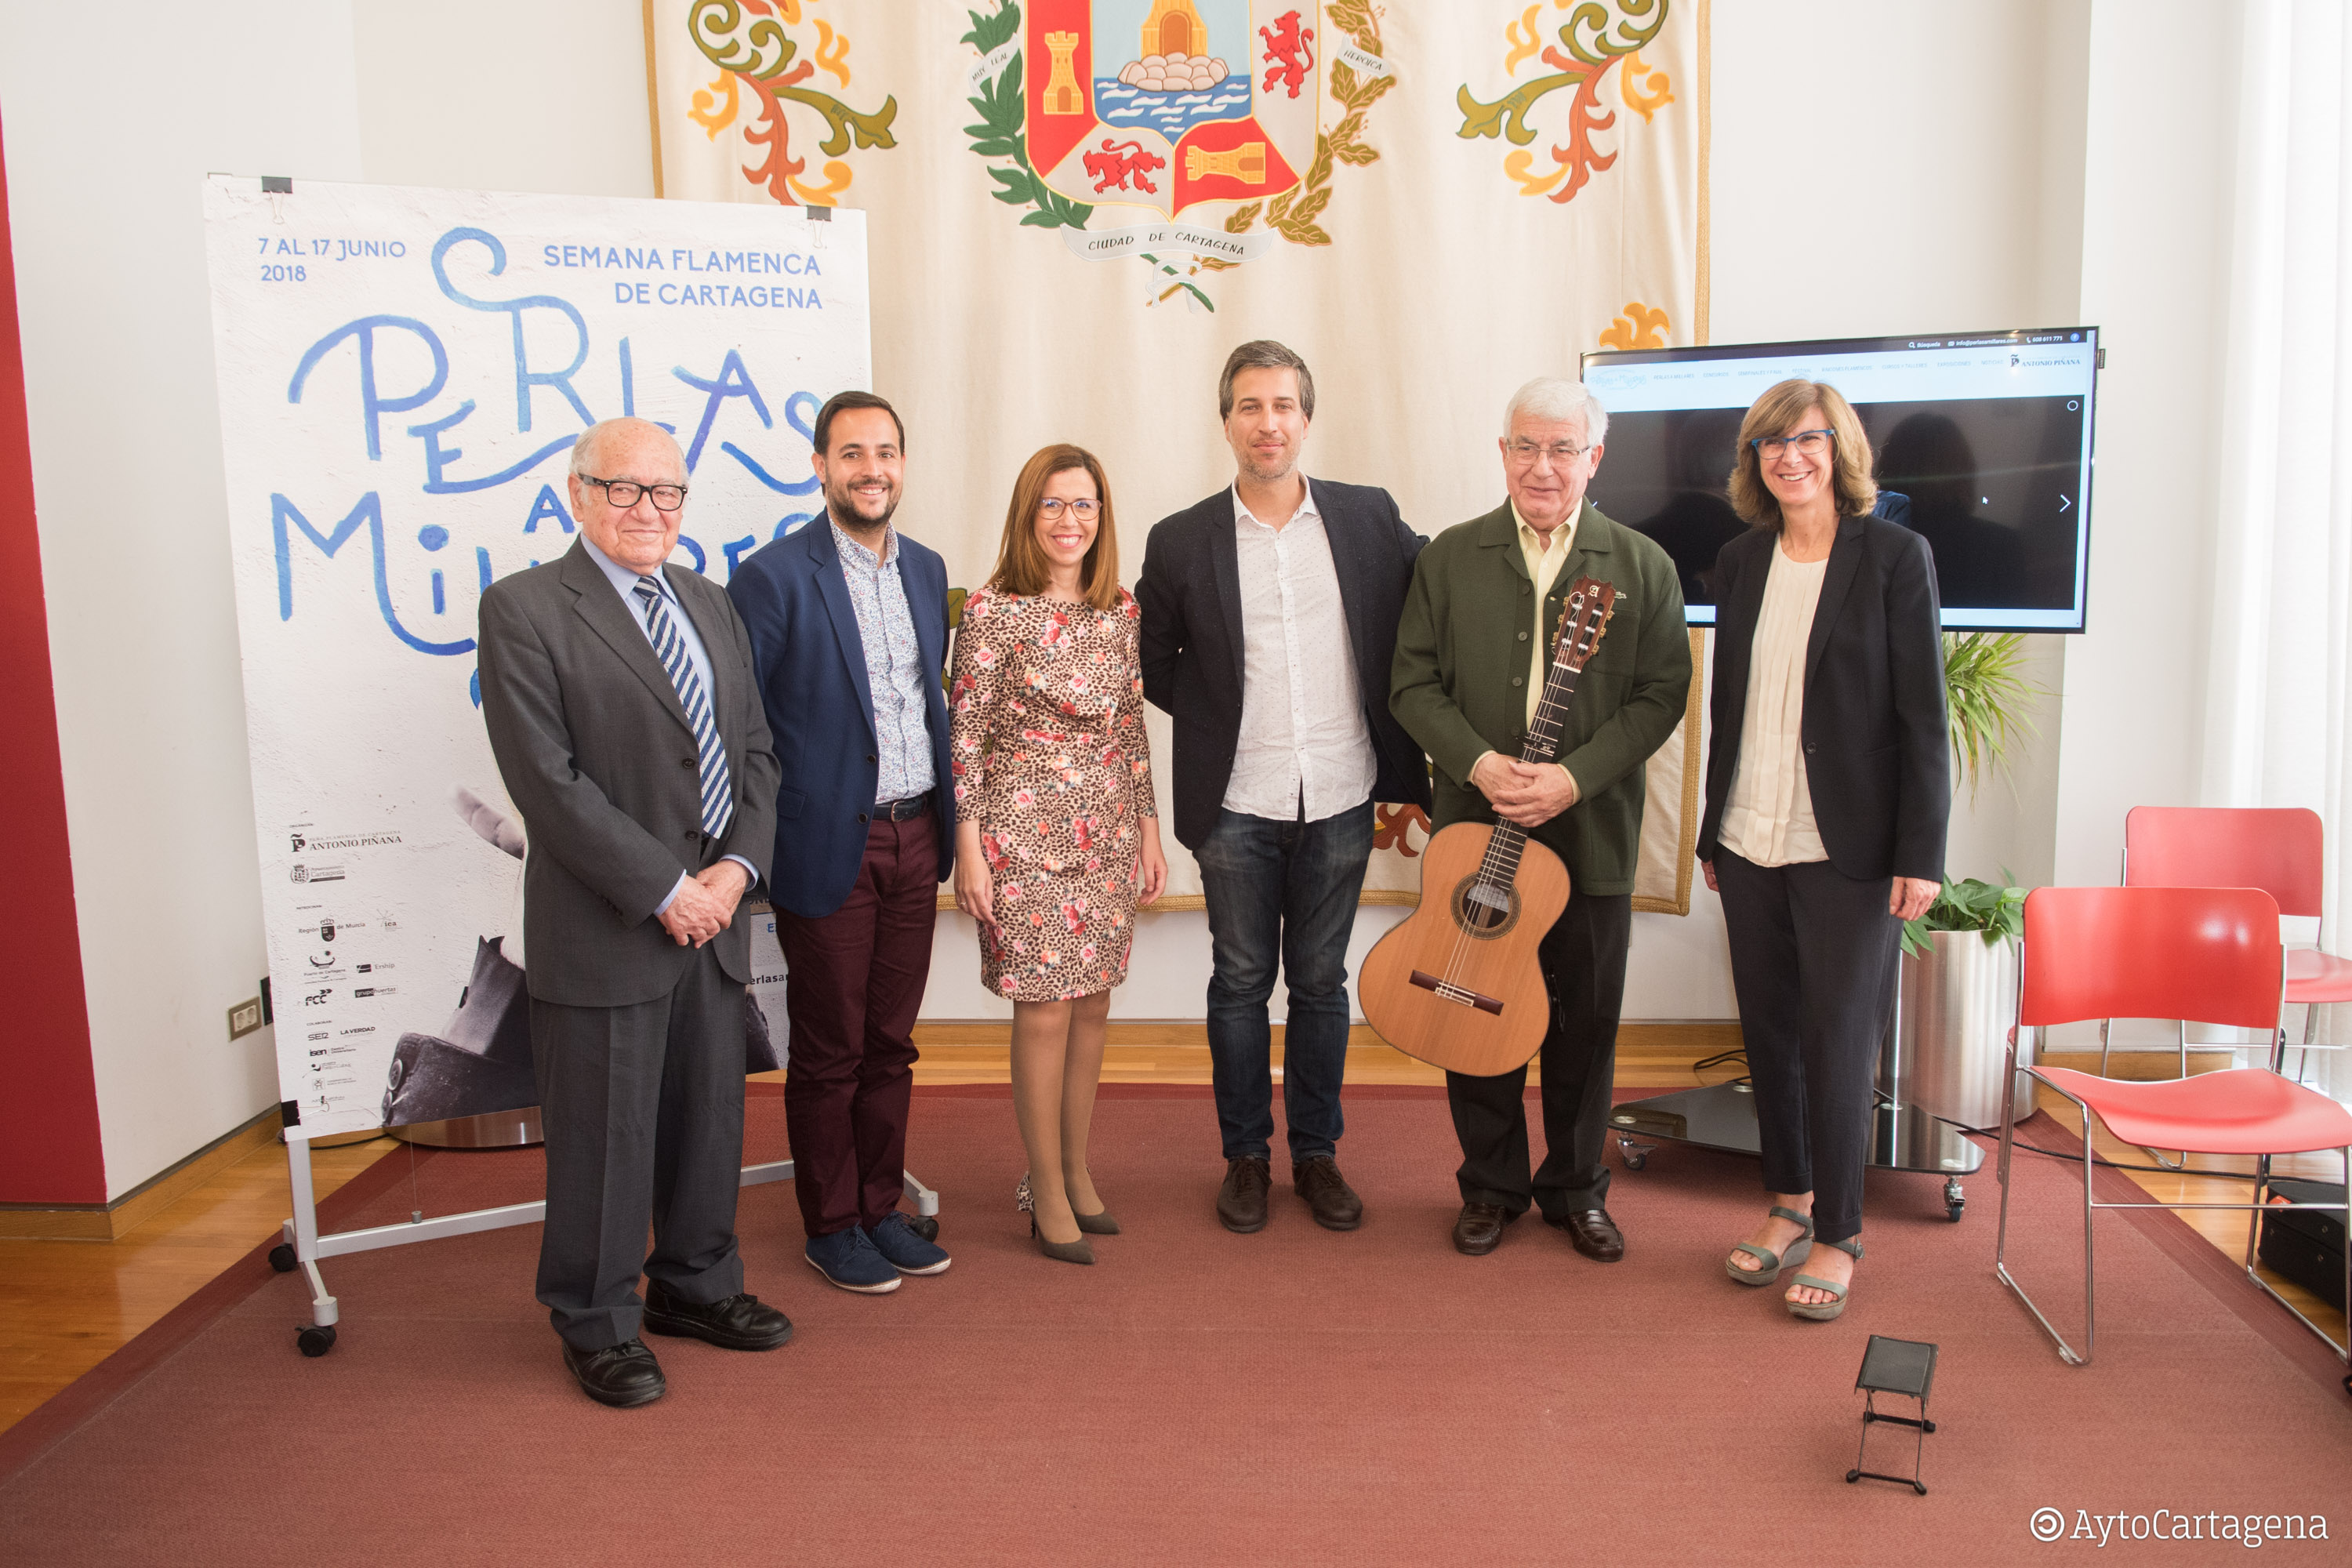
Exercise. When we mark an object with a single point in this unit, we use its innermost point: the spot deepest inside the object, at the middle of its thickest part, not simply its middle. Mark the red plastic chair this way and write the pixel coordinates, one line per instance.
(2281, 850)
(2208, 954)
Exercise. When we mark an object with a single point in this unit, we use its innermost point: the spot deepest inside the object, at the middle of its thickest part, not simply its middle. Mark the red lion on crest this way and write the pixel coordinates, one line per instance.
(1120, 161)
(1289, 47)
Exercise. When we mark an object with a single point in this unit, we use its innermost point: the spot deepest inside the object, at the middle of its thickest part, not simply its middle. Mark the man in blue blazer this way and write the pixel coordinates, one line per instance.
(848, 625)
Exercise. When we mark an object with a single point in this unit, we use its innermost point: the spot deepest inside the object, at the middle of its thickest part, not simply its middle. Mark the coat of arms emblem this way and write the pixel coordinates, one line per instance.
(1206, 115)
(1171, 103)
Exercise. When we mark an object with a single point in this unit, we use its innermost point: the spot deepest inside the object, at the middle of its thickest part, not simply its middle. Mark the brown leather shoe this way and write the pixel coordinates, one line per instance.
(1594, 1233)
(1241, 1202)
(1333, 1202)
(1479, 1228)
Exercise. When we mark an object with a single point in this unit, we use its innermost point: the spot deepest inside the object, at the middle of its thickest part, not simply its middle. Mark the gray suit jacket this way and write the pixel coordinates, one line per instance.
(597, 754)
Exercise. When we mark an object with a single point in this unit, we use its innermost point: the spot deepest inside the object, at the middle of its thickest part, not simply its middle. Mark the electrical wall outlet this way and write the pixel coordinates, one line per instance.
(244, 1018)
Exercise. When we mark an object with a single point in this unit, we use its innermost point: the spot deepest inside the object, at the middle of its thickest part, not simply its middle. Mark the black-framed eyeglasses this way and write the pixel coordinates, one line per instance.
(1050, 510)
(1808, 443)
(624, 494)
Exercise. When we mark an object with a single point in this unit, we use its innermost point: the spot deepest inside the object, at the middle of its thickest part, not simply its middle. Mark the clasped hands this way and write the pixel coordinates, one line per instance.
(1529, 794)
(704, 904)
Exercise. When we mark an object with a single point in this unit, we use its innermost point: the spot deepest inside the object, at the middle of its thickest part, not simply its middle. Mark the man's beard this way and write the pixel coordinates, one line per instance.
(841, 504)
(1260, 474)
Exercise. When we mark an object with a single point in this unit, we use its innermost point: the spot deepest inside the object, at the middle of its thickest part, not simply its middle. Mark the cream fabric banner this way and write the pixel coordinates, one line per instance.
(1077, 207)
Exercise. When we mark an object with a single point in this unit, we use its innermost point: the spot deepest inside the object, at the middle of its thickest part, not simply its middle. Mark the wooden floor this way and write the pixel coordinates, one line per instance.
(66, 1305)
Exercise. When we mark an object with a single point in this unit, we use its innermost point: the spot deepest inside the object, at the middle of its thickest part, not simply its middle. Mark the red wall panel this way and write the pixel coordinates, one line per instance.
(49, 1150)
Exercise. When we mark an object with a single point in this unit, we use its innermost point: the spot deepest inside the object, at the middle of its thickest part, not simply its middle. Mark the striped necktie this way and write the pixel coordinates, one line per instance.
(669, 647)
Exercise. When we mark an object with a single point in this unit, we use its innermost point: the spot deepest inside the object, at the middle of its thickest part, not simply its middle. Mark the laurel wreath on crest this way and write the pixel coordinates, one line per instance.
(1000, 133)
(1292, 215)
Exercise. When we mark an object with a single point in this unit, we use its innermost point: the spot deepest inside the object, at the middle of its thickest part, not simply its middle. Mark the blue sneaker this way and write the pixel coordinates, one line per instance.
(907, 1251)
(849, 1260)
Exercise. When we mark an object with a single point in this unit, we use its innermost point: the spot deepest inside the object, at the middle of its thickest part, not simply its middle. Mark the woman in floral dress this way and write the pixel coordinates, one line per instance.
(1057, 839)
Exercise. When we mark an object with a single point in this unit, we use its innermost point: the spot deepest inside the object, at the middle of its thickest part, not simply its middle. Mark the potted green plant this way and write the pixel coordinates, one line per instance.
(1956, 997)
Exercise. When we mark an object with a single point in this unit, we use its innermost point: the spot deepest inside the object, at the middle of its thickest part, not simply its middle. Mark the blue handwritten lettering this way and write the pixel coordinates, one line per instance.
(525, 377)
(373, 403)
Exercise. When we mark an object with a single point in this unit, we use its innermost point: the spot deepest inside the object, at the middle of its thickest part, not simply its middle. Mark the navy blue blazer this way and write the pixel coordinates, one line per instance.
(810, 663)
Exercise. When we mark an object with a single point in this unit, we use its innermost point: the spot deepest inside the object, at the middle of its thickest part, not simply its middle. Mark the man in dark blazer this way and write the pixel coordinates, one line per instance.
(848, 625)
(618, 695)
(1269, 614)
(1471, 658)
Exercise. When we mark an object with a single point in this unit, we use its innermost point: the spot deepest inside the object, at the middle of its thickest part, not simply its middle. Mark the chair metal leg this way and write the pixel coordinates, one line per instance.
(2344, 1350)
(2066, 1352)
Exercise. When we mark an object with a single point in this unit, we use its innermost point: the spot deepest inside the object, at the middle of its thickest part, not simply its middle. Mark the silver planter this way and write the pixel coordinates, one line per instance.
(1955, 1007)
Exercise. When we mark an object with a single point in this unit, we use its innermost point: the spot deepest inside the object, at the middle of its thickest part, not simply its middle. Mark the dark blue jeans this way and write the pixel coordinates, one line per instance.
(1281, 891)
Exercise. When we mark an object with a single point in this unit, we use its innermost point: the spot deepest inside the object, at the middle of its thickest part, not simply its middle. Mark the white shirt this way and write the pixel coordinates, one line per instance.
(1767, 819)
(1303, 732)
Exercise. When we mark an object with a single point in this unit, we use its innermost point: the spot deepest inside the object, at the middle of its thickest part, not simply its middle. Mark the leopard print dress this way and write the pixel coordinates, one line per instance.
(1049, 757)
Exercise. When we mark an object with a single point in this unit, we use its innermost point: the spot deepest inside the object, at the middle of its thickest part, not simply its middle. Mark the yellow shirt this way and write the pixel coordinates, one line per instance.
(1544, 562)
(1543, 571)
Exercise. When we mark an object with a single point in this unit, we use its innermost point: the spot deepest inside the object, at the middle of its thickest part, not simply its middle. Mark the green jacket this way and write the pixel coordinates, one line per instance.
(1459, 681)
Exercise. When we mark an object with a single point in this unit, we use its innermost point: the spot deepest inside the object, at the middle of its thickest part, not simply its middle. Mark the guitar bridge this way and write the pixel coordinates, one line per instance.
(1462, 994)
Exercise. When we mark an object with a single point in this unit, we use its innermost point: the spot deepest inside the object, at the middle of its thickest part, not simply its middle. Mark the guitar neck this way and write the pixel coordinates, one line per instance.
(1503, 850)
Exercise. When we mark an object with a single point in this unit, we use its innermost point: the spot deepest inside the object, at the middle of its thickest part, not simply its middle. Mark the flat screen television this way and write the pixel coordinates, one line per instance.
(1982, 443)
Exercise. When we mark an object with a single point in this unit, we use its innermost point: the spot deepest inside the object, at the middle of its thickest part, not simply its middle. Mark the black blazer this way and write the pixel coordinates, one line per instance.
(1877, 745)
(1190, 595)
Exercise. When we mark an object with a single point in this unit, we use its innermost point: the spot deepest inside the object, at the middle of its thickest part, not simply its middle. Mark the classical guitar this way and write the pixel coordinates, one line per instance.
(1456, 984)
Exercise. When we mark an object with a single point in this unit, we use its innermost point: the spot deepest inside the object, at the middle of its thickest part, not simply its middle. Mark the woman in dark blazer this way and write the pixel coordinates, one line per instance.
(1828, 790)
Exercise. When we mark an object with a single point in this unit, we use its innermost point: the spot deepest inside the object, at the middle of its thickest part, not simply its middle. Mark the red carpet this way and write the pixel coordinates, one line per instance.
(1295, 1396)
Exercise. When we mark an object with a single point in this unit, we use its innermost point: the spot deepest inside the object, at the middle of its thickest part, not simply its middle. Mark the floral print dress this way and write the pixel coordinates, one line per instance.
(1049, 757)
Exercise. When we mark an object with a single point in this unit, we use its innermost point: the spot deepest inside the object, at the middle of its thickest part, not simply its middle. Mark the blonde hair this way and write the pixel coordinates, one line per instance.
(1772, 414)
(1021, 564)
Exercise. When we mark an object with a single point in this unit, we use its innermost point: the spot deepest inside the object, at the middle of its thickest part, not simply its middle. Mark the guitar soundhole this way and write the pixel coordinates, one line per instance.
(1481, 918)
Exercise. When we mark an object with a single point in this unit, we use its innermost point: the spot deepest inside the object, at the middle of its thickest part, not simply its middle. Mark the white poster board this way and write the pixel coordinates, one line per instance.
(403, 373)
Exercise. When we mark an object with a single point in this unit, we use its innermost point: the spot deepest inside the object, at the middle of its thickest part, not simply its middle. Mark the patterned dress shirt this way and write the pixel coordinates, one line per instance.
(894, 666)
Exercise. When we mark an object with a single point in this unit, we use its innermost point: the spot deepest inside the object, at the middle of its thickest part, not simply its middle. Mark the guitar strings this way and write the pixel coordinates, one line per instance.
(1498, 865)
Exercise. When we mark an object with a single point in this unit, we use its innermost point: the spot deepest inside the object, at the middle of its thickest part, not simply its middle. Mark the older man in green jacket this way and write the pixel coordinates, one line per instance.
(1471, 658)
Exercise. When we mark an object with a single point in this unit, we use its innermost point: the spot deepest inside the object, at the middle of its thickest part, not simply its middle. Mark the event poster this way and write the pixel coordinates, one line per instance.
(402, 373)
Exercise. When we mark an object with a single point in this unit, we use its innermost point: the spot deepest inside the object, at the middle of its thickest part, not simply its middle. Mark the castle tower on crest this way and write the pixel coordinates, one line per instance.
(1174, 27)
(1063, 95)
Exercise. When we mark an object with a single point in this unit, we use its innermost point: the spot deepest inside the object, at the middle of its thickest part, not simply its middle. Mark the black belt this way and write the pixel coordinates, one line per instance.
(914, 805)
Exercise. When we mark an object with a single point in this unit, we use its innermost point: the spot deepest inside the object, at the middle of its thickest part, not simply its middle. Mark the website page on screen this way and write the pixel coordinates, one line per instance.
(1982, 445)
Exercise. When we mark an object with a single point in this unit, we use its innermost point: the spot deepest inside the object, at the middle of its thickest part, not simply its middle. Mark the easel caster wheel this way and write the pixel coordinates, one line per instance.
(1955, 1208)
(281, 1259)
(924, 1225)
(316, 1340)
(1636, 1158)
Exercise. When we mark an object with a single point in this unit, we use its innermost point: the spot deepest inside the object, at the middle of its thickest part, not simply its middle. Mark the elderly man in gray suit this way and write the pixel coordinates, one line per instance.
(622, 707)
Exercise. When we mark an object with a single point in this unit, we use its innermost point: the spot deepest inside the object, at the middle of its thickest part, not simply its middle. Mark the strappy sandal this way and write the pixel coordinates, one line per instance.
(1822, 1311)
(1798, 1250)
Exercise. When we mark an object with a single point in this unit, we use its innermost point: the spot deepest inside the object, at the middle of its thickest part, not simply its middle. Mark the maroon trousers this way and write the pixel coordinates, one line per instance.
(854, 985)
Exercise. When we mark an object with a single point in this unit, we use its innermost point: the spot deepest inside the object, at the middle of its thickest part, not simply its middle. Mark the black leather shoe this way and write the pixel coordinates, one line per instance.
(1594, 1233)
(1332, 1201)
(1479, 1228)
(1241, 1202)
(622, 1375)
(740, 1322)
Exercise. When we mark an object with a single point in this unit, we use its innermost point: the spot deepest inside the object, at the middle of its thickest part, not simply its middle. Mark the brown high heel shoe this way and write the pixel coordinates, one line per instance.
(1076, 1251)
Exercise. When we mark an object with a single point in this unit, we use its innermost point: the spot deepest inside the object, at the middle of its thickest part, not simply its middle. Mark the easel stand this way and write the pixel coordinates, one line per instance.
(304, 1247)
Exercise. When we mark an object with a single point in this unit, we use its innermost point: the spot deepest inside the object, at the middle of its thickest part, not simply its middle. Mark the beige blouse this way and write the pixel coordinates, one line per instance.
(1768, 818)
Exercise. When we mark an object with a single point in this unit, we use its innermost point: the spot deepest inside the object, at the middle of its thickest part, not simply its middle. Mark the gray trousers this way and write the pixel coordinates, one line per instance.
(642, 1109)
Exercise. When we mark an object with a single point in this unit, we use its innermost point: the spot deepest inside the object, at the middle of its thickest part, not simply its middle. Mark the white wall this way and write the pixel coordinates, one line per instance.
(546, 95)
(102, 187)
